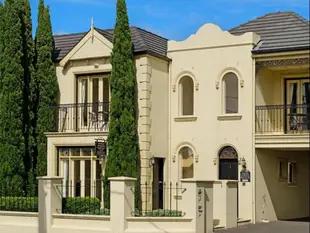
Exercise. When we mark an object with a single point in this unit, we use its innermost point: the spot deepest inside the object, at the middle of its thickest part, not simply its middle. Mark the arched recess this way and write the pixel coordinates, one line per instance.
(182, 74)
(186, 157)
(228, 163)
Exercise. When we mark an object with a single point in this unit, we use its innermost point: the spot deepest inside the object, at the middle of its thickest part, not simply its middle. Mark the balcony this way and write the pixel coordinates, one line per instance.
(83, 117)
(285, 126)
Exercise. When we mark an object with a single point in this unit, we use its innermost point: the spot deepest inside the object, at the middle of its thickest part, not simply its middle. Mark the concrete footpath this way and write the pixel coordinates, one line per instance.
(272, 227)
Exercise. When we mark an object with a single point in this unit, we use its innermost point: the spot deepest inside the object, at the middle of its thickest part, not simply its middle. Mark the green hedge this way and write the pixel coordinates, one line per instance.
(22, 204)
(83, 205)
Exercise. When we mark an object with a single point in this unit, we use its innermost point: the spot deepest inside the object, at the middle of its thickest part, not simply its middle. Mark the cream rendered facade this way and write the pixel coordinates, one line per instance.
(90, 59)
(207, 57)
(168, 123)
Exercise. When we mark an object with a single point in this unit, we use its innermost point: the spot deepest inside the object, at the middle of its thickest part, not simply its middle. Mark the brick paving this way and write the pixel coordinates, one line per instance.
(272, 227)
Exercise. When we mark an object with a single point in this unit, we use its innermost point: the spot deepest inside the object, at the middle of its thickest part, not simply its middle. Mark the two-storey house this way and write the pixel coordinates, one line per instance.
(220, 105)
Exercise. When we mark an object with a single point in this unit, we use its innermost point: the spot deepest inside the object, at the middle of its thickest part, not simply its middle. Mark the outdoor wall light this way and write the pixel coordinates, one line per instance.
(152, 161)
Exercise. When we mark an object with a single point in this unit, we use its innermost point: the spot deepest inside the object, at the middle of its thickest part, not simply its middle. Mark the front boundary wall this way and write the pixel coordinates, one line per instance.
(196, 201)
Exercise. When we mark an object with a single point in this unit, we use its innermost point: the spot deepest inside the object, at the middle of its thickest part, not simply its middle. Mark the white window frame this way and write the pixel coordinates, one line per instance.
(294, 171)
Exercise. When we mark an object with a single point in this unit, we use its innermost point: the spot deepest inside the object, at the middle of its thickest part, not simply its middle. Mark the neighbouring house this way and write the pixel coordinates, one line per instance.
(220, 105)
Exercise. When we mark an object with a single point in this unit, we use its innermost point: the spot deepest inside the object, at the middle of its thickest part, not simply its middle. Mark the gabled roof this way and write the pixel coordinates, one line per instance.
(280, 31)
(143, 42)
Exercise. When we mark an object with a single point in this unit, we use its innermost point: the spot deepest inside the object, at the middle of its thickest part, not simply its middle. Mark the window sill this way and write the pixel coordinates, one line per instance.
(229, 117)
(185, 118)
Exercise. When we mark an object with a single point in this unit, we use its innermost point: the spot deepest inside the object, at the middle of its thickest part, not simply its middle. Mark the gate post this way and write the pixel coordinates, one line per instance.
(122, 201)
(231, 205)
(197, 202)
(50, 201)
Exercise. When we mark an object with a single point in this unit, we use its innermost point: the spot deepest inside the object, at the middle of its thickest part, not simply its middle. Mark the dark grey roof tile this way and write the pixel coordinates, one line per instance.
(143, 41)
(278, 31)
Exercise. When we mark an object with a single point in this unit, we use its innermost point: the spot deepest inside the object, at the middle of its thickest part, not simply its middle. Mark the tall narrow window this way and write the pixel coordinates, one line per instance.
(95, 95)
(186, 156)
(231, 95)
(186, 96)
(84, 101)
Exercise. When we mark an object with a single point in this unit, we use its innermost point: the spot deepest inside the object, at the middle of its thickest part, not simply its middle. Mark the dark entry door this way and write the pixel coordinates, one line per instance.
(158, 184)
(228, 169)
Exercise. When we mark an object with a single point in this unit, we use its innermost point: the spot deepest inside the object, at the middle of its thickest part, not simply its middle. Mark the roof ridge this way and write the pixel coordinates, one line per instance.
(271, 13)
(140, 36)
(141, 29)
(300, 18)
(70, 34)
(240, 25)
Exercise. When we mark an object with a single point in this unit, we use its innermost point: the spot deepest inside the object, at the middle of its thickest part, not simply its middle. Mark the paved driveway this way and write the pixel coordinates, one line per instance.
(272, 227)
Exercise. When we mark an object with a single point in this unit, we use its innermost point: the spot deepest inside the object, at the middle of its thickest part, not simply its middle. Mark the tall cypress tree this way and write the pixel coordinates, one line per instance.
(123, 150)
(12, 144)
(1, 40)
(46, 87)
(27, 62)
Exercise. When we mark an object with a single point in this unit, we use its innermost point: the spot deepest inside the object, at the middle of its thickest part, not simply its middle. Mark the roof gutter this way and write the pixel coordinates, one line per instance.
(303, 52)
(293, 49)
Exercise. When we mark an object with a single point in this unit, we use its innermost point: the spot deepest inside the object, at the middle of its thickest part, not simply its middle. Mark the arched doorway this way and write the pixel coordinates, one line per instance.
(228, 167)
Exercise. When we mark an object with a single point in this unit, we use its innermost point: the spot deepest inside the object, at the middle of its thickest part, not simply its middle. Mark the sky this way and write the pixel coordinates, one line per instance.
(172, 19)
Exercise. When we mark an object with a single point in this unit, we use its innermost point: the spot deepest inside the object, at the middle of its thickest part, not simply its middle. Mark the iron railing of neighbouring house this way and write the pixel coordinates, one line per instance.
(160, 199)
(283, 118)
(82, 117)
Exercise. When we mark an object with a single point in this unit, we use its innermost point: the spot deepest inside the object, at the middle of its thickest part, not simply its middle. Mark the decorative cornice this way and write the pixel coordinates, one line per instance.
(282, 62)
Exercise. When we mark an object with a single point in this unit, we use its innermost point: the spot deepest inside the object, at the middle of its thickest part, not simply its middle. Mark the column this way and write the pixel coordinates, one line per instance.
(122, 202)
(144, 75)
(197, 203)
(231, 213)
(50, 201)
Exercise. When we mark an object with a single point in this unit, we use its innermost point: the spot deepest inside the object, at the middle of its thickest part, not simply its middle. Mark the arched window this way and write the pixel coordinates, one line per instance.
(186, 96)
(228, 167)
(187, 162)
(231, 93)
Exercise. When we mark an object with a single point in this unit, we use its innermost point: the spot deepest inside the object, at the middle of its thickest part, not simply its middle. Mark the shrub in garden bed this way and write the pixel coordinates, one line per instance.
(83, 205)
(20, 204)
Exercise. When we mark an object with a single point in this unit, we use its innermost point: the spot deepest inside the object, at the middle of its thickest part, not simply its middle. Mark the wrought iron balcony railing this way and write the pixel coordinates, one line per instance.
(83, 117)
(283, 118)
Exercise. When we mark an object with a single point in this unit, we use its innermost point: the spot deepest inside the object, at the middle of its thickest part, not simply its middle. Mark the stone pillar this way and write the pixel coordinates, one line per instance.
(197, 203)
(231, 211)
(50, 201)
(144, 75)
(122, 201)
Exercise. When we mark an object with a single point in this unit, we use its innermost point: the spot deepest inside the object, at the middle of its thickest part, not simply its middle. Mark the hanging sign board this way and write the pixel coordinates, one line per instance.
(245, 176)
(100, 148)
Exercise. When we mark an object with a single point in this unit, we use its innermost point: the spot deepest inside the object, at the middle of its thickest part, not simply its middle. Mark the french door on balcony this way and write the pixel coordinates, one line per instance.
(92, 99)
(297, 104)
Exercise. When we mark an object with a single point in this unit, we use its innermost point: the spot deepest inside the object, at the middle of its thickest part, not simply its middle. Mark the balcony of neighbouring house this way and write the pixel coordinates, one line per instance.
(82, 117)
(282, 125)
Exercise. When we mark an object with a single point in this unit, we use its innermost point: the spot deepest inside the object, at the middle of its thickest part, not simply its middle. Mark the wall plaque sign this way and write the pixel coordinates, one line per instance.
(100, 148)
(245, 176)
